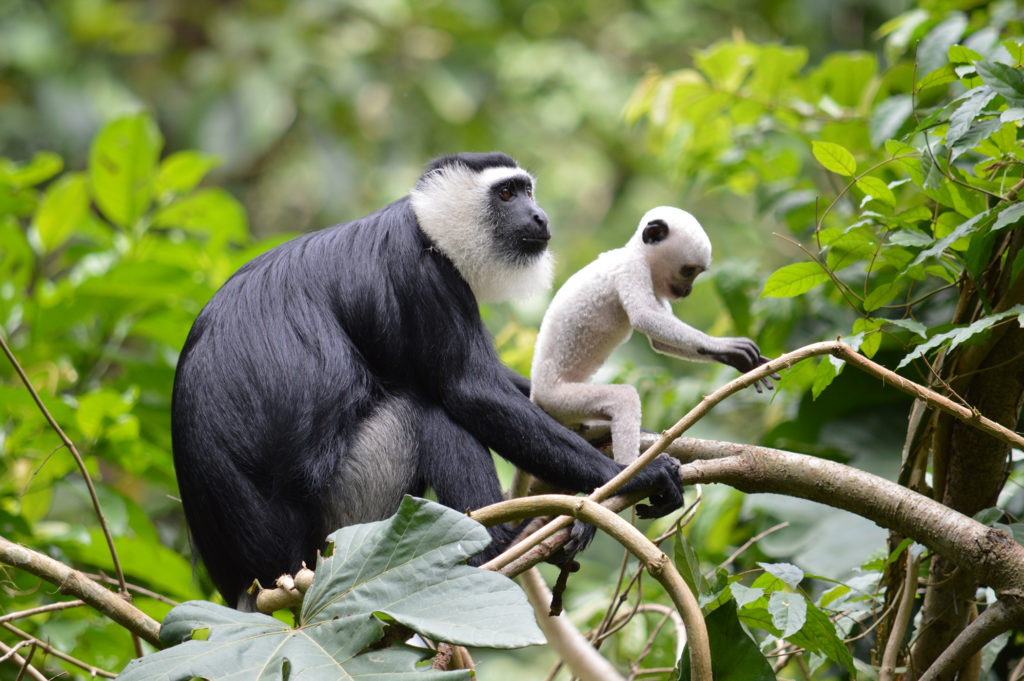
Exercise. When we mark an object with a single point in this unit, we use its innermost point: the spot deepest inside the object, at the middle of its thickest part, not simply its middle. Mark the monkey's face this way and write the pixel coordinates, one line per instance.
(521, 226)
(680, 283)
(676, 249)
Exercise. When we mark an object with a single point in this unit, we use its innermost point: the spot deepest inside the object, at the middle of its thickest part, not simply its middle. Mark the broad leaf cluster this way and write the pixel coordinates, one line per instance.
(406, 570)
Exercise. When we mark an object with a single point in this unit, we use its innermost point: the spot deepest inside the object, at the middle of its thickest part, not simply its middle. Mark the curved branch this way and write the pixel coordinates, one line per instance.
(71, 581)
(656, 562)
(997, 618)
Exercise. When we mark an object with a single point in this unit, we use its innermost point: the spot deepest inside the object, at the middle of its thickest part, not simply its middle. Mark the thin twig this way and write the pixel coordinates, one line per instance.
(7, 651)
(894, 645)
(28, 662)
(52, 607)
(747, 544)
(50, 650)
(85, 474)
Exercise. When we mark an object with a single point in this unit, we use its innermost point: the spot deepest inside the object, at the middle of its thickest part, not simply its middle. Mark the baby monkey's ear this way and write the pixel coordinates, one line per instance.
(655, 231)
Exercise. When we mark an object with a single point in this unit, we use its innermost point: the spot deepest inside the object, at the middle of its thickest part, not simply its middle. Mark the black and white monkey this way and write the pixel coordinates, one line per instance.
(597, 309)
(343, 369)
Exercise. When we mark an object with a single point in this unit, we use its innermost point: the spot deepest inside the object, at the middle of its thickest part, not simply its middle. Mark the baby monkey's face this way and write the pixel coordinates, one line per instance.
(676, 249)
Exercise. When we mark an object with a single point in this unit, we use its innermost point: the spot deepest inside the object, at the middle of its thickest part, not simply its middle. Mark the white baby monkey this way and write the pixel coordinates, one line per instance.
(597, 309)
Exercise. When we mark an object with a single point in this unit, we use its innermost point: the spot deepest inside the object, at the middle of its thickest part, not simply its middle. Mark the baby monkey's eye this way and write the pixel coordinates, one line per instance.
(689, 271)
(507, 193)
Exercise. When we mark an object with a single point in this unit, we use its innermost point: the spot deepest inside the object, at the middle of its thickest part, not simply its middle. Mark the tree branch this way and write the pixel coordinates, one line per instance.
(657, 563)
(997, 618)
(565, 639)
(71, 581)
(81, 467)
(987, 553)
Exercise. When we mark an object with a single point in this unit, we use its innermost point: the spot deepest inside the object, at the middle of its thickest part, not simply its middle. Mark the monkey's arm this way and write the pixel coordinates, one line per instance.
(518, 380)
(671, 336)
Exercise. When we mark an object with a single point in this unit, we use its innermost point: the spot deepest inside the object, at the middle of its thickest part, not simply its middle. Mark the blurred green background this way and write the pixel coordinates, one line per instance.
(321, 111)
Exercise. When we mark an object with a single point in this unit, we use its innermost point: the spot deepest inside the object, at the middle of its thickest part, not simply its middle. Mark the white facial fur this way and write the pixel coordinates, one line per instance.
(450, 205)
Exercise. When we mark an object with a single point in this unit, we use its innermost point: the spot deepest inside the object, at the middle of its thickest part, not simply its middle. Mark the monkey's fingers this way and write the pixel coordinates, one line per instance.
(767, 380)
(658, 508)
(580, 536)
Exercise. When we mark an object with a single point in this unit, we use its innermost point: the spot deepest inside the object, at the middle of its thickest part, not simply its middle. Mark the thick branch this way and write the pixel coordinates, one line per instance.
(997, 618)
(71, 581)
(988, 554)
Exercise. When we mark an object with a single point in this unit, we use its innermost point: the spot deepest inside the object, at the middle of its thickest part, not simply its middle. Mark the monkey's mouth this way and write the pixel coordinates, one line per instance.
(679, 291)
(533, 244)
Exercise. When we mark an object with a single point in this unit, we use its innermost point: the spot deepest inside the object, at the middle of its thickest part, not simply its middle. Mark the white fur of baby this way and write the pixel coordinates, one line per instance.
(597, 309)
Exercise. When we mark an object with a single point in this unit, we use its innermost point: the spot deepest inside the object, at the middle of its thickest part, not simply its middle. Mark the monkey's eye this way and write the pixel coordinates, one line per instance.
(689, 271)
(529, 192)
(506, 193)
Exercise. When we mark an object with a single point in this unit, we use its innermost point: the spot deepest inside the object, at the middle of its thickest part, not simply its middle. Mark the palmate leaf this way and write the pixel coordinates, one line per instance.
(407, 569)
(244, 646)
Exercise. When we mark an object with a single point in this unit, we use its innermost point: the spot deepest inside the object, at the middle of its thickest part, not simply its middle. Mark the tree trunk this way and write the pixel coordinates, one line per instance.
(969, 467)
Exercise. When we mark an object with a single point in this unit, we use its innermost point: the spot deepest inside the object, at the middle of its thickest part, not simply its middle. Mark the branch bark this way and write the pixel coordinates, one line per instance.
(73, 582)
(990, 555)
(997, 618)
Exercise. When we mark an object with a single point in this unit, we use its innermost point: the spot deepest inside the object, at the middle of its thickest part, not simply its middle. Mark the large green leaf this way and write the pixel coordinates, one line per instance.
(734, 656)
(122, 168)
(242, 646)
(408, 567)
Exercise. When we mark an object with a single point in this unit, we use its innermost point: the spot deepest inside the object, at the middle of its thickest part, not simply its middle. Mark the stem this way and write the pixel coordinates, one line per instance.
(50, 650)
(899, 626)
(565, 639)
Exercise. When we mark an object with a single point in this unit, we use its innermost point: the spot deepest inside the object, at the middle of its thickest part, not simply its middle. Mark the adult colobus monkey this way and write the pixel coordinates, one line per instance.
(348, 367)
(597, 309)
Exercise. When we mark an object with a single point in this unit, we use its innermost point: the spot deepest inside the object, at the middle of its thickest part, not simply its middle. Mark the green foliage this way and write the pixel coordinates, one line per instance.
(407, 570)
(897, 183)
(101, 274)
(920, 195)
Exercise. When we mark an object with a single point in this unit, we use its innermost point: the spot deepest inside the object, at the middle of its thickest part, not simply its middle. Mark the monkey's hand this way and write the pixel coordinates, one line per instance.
(742, 354)
(660, 479)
